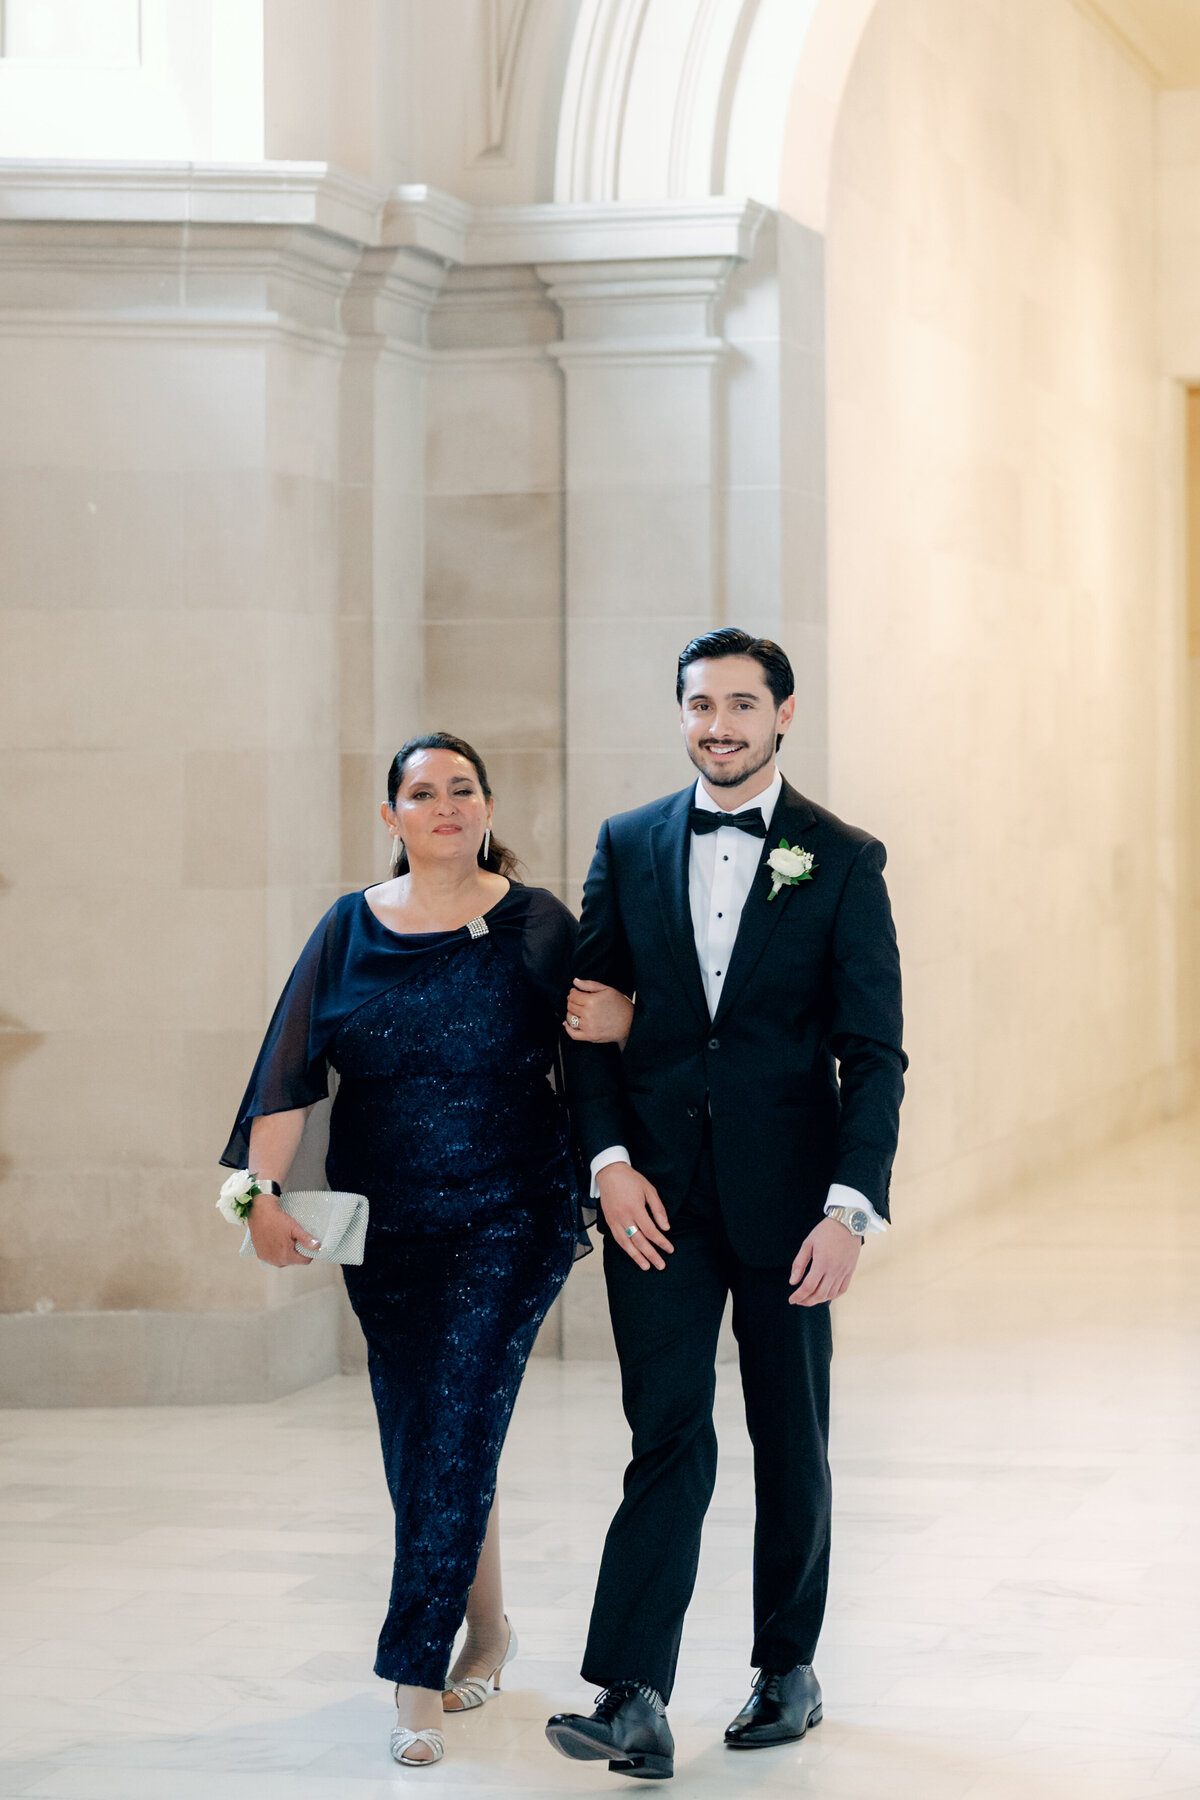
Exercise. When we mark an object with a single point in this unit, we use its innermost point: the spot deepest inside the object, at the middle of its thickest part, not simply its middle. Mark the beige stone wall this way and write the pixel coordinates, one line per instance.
(211, 588)
(170, 784)
(1004, 637)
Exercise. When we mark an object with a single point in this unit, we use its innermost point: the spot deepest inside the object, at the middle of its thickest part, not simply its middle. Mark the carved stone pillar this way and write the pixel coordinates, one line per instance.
(644, 460)
(382, 441)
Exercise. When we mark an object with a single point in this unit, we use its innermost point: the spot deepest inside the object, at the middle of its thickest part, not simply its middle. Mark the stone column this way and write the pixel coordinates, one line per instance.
(494, 577)
(644, 482)
(382, 509)
(643, 536)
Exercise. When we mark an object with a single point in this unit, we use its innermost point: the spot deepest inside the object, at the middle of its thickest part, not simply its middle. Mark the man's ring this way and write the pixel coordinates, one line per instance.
(573, 1021)
(631, 1231)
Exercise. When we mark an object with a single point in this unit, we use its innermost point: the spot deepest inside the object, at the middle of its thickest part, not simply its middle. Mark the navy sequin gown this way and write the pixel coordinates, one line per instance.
(445, 1118)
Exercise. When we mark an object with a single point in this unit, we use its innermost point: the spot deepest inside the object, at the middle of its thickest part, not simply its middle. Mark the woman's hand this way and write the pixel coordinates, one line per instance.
(275, 1234)
(604, 1015)
(627, 1201)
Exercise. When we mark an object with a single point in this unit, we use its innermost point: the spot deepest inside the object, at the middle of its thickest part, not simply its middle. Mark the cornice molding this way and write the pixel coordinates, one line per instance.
(314, 195)
(319, 198)
(185, 325)
(417, 217)
(613, 231)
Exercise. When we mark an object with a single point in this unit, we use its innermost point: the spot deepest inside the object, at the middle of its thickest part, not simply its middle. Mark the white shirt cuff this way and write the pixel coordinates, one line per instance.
(616, 1153)
(840, 1195)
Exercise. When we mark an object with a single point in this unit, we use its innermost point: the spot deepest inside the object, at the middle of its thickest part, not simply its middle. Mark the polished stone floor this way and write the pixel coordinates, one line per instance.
(188, 1599)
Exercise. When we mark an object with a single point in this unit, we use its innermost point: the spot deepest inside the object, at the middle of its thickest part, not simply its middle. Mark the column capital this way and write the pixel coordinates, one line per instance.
(655, 308)
(655, 277)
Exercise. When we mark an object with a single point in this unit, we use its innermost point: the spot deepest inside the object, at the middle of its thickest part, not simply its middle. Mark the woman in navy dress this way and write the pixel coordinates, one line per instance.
(436, 997)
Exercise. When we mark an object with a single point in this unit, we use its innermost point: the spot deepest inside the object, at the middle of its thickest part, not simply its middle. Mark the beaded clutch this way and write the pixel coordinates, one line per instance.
(337, 1221)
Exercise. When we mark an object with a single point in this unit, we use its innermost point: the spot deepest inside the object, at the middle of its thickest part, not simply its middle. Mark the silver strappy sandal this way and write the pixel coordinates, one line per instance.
(403, 1739)
(472, 1690)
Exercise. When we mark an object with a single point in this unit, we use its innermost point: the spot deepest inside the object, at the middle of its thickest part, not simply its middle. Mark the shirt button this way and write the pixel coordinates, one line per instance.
(724, 859)
(693, 1112)
(714, 1043)
(720, 915)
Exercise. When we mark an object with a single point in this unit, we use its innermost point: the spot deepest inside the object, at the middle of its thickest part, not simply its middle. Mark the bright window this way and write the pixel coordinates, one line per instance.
(104, 32)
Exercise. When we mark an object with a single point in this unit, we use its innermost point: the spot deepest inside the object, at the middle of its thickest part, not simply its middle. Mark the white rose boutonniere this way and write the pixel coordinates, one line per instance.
(238, 1195)
(788, 866)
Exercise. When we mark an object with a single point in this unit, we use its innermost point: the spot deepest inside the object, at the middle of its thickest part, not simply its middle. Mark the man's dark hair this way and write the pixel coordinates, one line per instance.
(772, 660)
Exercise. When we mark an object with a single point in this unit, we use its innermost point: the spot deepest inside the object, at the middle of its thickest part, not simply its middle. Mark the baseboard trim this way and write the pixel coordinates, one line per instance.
(170, 1358)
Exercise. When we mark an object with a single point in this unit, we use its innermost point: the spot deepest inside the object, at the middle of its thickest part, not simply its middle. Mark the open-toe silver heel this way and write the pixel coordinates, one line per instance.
(403, 1739)
(472, 1690)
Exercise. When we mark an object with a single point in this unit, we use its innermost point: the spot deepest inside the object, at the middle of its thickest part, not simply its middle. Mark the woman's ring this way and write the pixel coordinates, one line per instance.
(573, 1021)
(631, 1231)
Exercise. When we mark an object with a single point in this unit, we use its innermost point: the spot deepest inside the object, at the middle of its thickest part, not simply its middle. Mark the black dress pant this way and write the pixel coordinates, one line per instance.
(666, 1325)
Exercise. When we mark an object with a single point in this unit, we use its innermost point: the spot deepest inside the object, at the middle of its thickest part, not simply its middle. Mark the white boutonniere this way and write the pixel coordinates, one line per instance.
(788, 866)
(238, 1195)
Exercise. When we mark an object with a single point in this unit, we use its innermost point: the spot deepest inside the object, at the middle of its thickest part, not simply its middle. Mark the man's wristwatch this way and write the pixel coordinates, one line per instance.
(854, 1218)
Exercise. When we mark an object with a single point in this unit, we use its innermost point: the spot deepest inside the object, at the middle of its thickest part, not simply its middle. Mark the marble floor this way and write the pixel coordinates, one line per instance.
(188, 1599)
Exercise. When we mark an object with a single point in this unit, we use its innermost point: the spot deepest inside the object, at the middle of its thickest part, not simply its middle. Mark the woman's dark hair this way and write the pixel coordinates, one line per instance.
(500, 860)
(770, 657)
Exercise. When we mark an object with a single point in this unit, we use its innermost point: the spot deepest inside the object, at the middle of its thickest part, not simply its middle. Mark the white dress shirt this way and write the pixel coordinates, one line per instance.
(721, 871)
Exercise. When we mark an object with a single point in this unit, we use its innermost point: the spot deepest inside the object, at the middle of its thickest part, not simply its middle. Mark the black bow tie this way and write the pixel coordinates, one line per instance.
(751, 820)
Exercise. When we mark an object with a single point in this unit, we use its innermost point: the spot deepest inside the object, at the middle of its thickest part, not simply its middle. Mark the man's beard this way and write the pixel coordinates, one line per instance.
(731, 780)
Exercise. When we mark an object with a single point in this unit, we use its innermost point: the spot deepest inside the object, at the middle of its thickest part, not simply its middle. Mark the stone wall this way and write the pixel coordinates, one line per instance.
(1005, 605)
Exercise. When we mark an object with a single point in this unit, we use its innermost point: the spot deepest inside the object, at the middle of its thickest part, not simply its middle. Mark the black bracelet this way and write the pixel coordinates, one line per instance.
(269, 1187)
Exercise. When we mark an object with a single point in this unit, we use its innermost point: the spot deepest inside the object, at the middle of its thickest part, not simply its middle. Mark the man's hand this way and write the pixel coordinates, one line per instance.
(604, 1014)
(830, 1256)
(627, 1198)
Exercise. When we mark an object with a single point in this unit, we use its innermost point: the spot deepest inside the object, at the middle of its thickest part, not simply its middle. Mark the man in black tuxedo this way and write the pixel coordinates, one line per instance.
(741, 1143)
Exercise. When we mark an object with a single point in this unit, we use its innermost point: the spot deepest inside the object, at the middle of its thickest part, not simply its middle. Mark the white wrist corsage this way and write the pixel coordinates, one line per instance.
(238, 1195)
(788, 866)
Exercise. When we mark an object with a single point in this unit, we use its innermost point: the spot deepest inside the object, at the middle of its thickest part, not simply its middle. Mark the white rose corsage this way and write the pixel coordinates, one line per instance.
(238, 1195)
(788, 866)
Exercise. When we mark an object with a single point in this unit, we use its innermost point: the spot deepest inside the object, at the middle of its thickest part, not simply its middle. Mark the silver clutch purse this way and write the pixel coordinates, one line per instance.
(337, 1221)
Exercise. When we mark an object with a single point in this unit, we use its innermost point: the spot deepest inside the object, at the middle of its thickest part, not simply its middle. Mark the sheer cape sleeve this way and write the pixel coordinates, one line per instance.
(292, 1070)
(537, 931)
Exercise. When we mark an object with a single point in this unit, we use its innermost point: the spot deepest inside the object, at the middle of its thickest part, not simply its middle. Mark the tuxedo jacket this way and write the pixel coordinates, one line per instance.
(801, 1069)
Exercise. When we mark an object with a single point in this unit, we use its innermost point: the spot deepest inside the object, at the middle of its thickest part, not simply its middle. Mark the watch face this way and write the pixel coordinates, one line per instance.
(859, 1221)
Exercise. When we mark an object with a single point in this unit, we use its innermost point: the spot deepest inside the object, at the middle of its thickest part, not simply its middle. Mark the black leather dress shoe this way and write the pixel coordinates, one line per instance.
(625, 1730)
(780, 1709)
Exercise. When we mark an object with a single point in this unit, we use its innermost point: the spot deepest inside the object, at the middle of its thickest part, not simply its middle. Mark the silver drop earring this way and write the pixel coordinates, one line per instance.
(487, 843)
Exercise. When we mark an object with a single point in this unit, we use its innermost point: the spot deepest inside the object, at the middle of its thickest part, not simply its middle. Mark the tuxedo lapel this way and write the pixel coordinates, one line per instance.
(760, 915)
(670, 850)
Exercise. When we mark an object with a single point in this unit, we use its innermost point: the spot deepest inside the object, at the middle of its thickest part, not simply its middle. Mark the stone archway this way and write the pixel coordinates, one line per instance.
(664, 100)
